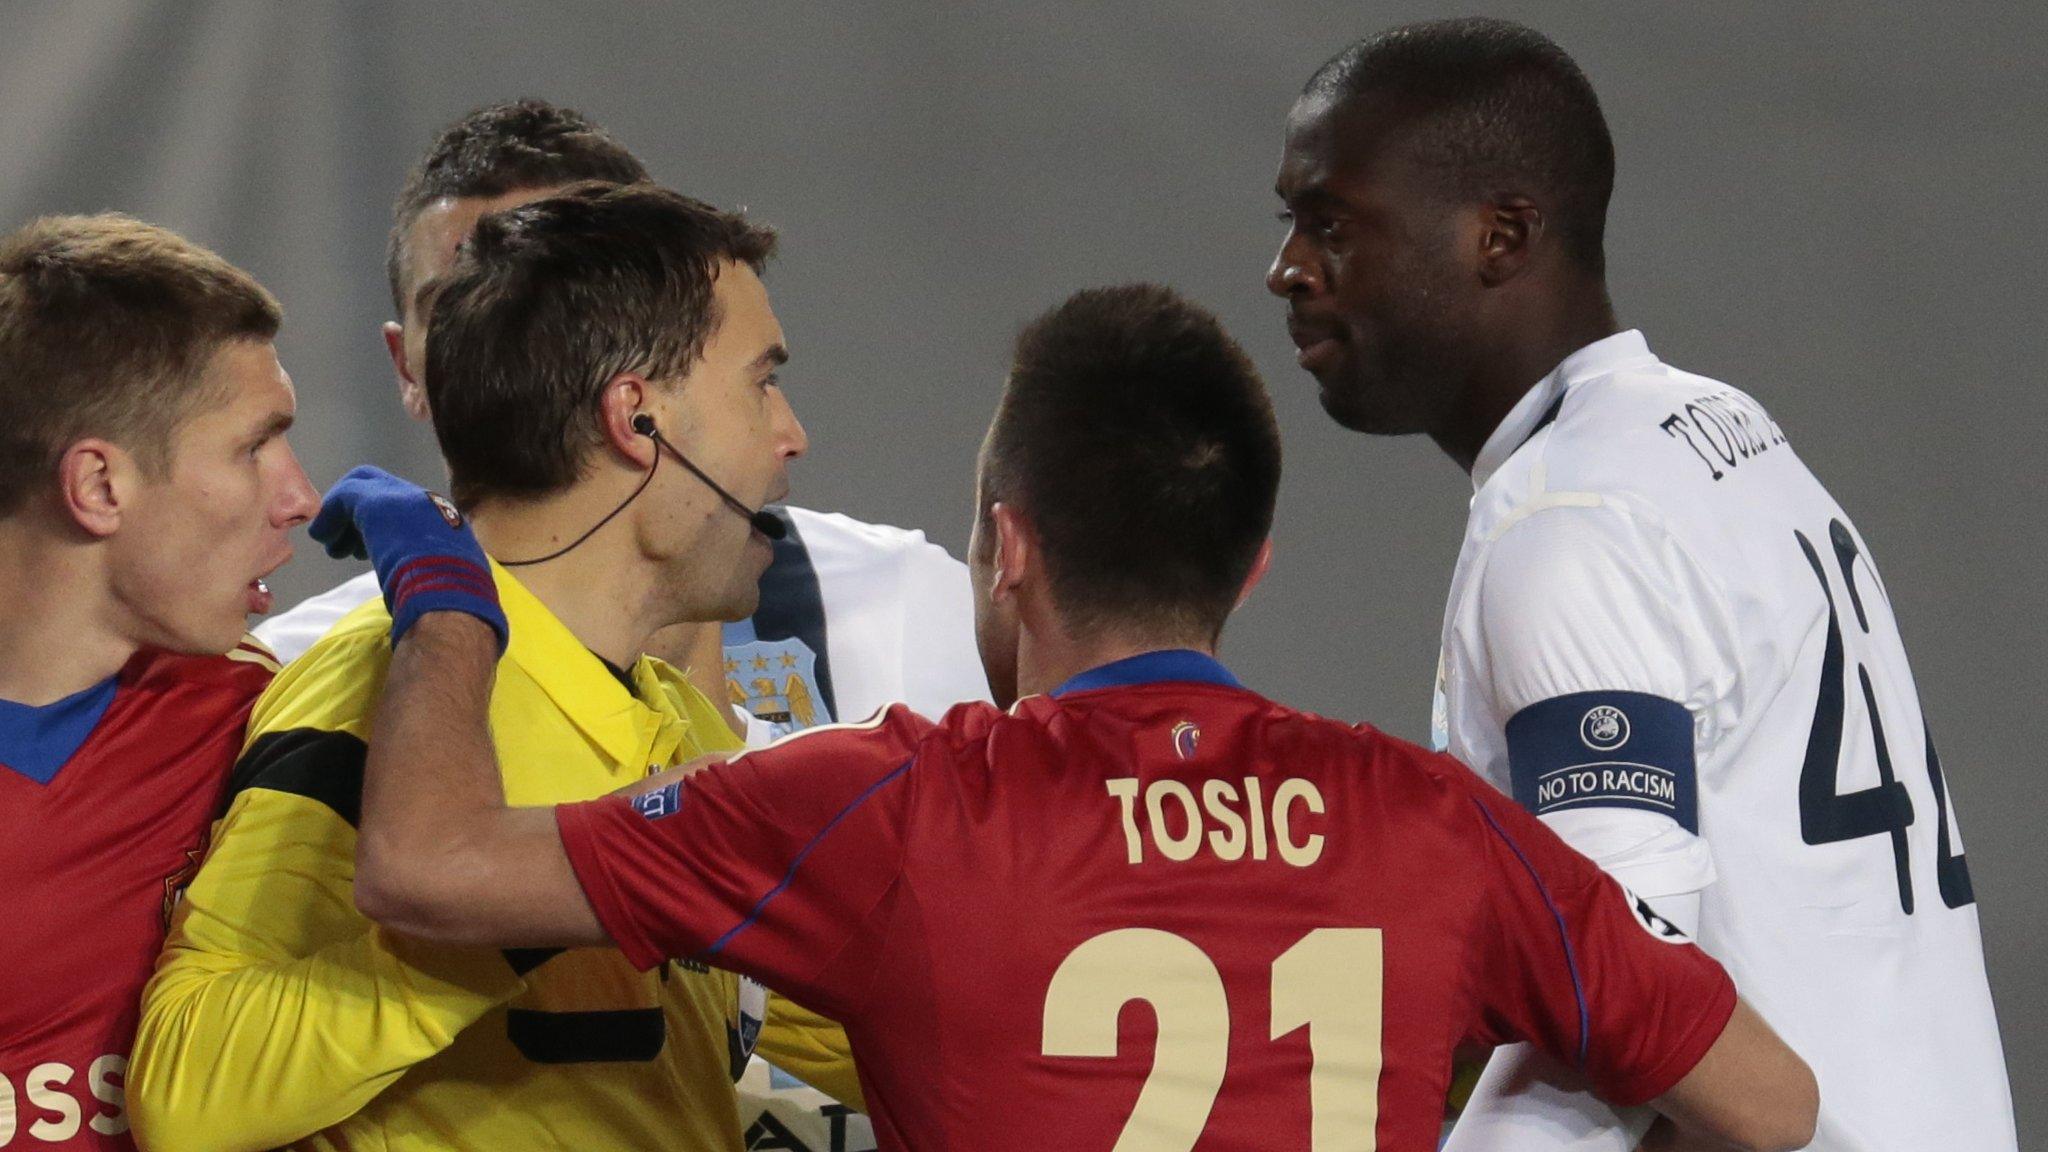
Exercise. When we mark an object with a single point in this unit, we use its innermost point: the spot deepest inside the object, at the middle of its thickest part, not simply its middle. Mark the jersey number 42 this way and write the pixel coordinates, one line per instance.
(1827, 816)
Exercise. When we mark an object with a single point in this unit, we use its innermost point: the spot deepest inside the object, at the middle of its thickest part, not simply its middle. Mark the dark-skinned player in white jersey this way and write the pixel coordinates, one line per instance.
(1663, 636)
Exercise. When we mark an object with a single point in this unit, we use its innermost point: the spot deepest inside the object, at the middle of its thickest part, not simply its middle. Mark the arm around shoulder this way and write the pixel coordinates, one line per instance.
(1750, 1092)
(440, 856)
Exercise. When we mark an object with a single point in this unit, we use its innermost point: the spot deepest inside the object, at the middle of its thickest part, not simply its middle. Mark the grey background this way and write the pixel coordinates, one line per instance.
(1835, 207)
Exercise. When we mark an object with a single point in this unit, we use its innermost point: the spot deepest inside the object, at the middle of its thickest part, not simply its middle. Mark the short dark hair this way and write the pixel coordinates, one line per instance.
(500, 148)
(1497, 106)
(107, 325)
(1137, 436)
(546, 303)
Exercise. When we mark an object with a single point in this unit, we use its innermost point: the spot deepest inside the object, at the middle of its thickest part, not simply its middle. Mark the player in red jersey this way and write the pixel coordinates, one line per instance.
(1314, 915)
(145, 491)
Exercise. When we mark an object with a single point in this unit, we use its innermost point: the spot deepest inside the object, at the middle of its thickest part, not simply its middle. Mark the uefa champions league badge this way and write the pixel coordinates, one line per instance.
(1186, 735)
(777, 682)
(665, 801)
(1653, 923)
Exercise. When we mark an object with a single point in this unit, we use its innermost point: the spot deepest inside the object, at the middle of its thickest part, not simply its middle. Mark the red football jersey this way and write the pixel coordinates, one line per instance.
(1149, 910)
(105, 799)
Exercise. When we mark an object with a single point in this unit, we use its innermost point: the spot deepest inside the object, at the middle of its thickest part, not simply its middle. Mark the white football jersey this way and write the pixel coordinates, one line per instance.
(1665, 638)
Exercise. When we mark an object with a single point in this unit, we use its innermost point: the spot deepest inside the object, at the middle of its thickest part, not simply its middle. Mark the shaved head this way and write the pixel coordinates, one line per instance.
(1492, 108)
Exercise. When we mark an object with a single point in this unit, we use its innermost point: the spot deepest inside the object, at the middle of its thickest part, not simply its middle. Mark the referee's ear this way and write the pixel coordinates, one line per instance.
(1260, 563)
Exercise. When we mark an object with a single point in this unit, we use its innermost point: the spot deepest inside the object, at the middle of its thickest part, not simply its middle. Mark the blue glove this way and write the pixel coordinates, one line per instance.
(427, 559)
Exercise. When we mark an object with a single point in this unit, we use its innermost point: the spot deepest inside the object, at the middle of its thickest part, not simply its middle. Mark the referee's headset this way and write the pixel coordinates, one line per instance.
(764, 522)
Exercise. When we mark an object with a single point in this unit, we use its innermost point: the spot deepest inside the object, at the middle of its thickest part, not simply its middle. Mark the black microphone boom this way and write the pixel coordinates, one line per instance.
(762, 520)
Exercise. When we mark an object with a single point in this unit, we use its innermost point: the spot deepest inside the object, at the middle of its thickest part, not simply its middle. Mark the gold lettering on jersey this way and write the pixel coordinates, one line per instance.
(1226, 842)
(1184, 846)
(1311, 847)
(1232, 821)
(1126, 792)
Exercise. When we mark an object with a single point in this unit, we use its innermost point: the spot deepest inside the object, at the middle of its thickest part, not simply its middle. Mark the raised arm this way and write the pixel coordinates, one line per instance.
(440, 856)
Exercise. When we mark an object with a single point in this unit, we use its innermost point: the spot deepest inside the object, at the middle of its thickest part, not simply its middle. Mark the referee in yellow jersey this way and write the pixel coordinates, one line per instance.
(579, 343)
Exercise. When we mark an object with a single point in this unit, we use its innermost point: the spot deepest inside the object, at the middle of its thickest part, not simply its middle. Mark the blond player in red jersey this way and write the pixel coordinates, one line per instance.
(145, 491)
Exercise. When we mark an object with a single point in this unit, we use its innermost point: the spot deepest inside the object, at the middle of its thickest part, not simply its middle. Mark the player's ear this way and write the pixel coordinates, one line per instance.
(93, 476)
(410, 393)
(1260, 563)
(1509, 231)
(1016, 550)
(626, 396)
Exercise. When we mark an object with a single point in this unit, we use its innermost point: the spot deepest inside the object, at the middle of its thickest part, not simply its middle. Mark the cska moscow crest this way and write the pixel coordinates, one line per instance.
(777, 681)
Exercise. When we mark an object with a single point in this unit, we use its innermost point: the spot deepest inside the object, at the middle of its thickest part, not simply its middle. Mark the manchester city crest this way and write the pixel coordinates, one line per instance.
(777, 681)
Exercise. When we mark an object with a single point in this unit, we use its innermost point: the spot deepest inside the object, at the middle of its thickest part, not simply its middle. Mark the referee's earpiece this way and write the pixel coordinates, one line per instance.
(766, 523)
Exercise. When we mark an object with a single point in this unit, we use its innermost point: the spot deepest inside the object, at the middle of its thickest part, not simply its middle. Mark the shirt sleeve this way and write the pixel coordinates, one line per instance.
(1604, 657)
(1584, 970)
(276, 1010)
(770, 864)
(1515, 1106)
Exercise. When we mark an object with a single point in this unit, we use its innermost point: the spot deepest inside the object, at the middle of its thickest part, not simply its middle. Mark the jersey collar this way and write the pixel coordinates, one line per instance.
(37, 741)
(1540, 404)
(1177, 665)
(631, 728)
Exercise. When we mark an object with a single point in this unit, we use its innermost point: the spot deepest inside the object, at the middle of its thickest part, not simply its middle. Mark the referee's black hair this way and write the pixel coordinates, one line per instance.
(1498, 108)
(547, 303)
(500, 148)
(1138, 439)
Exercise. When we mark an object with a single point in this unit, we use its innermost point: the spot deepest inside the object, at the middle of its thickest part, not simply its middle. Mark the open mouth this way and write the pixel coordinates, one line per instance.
(257, 591)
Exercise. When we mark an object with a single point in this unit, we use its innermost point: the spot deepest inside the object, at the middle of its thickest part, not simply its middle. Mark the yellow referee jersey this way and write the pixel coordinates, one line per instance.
(279, 1016)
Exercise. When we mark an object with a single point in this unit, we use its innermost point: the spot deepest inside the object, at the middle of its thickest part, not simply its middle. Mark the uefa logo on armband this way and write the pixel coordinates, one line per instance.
(1604, 728)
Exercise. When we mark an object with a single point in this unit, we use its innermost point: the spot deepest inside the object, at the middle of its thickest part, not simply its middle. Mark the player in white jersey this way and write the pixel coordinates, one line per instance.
(1663, 636)
(853, 616)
